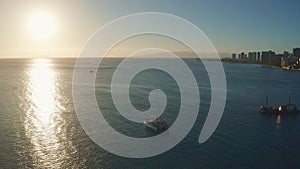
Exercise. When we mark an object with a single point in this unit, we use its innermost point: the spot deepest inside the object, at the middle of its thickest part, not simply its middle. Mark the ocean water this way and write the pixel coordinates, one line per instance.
(39, 127)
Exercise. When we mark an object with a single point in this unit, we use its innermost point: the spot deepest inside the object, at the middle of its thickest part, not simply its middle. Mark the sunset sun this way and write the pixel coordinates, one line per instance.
(41, 24)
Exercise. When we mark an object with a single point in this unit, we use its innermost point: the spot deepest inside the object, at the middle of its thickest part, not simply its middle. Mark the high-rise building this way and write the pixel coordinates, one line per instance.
(296, 52)
(258, 57)
(233, 56)
(278, 58)
(252, 56)
(287, 62)
(267, 56)
(286, 54)
(243, 56)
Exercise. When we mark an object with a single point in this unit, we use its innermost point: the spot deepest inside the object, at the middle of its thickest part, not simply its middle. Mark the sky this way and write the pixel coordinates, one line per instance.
(231, 25)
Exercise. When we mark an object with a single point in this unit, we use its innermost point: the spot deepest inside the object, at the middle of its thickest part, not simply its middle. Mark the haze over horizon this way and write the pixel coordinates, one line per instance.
(61, 28)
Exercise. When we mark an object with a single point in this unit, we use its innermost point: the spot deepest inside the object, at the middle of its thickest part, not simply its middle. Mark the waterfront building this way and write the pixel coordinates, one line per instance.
(267, 56)
(276, 58)
(296, 52)
(242, 56)
(289, 62)
(252, 56)
(287, 54)
(258, 57)
(233, 56)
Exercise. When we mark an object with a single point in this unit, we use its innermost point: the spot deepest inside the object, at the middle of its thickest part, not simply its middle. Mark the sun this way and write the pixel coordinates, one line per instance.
(41, 24)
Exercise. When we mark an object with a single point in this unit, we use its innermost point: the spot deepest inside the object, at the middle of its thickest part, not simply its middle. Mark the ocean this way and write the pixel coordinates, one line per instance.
(39, 127)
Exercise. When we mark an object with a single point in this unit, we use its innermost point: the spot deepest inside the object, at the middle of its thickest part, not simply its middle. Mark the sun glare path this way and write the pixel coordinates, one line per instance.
(44, 109)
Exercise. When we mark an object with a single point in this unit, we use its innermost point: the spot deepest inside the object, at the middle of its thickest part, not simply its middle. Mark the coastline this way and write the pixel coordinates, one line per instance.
(270, 65)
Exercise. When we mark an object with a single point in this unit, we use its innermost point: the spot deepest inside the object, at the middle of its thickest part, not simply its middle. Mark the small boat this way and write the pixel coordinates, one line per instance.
(283, 109)
(156, 124)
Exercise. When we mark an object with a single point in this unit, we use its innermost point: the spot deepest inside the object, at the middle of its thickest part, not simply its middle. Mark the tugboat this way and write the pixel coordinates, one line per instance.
(155, 123)
(281, 110)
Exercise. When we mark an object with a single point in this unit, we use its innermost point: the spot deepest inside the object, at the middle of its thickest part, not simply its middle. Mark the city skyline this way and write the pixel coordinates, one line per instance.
(286, 60)
(256, 54)
(232, 26)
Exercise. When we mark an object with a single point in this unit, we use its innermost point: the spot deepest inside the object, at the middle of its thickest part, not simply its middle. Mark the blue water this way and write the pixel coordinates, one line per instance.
(39, 127)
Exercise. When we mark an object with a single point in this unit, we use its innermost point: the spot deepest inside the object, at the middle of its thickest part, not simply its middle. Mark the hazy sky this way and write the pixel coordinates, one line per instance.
(232, 25)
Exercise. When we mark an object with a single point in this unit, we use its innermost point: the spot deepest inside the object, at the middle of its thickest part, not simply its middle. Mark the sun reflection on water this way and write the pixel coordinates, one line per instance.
(44, 111)
(43, 91)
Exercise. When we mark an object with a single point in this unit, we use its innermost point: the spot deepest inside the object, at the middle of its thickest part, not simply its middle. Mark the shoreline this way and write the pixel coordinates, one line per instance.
(271, 65)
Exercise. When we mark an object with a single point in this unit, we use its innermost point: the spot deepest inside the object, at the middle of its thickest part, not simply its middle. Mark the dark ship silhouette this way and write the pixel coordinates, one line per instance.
(281, 110)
